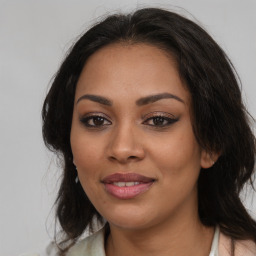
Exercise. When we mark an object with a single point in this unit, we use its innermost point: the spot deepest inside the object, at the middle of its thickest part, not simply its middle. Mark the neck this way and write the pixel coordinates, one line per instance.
(170, 238)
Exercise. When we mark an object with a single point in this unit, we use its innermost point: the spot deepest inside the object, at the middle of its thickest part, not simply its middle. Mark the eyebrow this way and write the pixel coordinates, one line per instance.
(96, 98)
(156, 97)
(140, 102)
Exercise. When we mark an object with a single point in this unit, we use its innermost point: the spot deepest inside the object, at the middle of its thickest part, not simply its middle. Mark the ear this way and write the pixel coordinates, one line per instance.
(208, 159)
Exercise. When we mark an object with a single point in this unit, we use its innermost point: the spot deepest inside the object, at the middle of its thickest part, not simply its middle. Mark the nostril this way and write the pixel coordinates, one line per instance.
(123, 159)
(125, 152)
(112, 158)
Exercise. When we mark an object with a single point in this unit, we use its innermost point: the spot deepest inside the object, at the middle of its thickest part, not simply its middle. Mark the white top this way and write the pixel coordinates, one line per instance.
(215, 243)
(93, 245)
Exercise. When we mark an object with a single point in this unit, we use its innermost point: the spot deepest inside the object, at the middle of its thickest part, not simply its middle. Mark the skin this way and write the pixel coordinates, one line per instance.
(128, 139)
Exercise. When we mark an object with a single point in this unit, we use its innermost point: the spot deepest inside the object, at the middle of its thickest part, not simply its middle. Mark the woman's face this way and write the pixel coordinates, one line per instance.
(132, 140)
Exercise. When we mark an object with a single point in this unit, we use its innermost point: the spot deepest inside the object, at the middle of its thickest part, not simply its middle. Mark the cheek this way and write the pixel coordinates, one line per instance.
(177, 157)
(179, 168)
(86, 154)
(84, 146)
(178, 150)
(87, 160)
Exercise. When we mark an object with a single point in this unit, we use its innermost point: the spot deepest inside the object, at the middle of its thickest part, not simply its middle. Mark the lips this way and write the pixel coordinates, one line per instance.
(127, 185)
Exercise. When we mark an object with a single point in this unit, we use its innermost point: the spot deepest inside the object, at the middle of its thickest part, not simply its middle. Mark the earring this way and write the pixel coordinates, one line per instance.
(213, 163)
(76, 179)
(211, 157)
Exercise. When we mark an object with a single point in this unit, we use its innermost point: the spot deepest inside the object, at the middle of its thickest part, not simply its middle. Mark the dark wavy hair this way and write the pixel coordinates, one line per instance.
(219, 118)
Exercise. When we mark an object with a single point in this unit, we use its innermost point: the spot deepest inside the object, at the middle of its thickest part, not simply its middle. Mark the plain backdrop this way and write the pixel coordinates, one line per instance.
(34, 36)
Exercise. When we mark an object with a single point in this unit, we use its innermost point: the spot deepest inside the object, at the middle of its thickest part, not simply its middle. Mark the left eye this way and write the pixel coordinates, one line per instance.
(95, 121)
(160, 121)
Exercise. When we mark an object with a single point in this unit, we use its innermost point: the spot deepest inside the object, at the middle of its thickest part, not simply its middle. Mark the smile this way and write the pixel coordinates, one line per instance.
(127, 185)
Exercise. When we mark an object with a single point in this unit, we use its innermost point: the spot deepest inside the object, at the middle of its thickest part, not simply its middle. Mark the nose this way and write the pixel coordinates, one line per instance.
(125, 145)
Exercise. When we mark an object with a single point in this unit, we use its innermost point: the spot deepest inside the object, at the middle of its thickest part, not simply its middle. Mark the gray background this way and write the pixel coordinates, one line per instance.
(34, 36)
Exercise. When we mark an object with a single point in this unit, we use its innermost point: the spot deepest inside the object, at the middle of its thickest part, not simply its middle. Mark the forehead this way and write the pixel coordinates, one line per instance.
(131, 69)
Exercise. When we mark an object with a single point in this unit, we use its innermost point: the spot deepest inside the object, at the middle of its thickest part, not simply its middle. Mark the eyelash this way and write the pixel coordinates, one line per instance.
(155, 117)
(167, 119)
(85, 121)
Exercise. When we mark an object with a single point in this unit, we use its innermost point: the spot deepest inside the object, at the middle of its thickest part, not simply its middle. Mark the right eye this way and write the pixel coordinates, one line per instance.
(95, 121)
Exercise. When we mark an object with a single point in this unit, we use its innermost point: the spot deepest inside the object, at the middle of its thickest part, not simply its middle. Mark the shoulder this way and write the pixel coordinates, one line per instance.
(90, 246)
(242, 247)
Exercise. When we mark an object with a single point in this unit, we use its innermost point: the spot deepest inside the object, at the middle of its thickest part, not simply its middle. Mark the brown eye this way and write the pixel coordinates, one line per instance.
(95, 121)
(98, 120)
(160, 121)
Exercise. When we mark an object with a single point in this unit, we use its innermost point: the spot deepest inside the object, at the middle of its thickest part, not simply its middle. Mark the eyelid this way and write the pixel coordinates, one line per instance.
(158, 113)
(89, 114)
(168, 118)
(84, 118)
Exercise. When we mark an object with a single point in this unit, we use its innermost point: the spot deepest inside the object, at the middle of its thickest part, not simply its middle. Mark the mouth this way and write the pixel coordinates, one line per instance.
(127, 185)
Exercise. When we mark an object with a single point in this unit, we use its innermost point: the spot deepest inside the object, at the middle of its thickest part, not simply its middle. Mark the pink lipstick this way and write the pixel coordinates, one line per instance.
(127, 185)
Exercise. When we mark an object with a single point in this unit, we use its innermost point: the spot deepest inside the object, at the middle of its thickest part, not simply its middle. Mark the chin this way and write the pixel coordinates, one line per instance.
(129, 218)
(129, 224)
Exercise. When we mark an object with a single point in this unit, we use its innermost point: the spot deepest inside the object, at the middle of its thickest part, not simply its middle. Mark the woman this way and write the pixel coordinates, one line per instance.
(146, 111)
